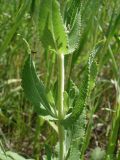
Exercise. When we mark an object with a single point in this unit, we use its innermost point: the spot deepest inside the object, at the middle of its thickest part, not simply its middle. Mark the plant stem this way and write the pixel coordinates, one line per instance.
(60, 104)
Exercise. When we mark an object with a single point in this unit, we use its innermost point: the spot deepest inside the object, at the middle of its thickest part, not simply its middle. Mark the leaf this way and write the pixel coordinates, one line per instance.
(77, 138)
(44, 24)
(14, 156)
(88, 11)
(52, 31)
(87, 85)
(34, 88)
(16, 24)
(3, 156)
(58, 29)
(47, 38)
(8, 155)
(75, 33)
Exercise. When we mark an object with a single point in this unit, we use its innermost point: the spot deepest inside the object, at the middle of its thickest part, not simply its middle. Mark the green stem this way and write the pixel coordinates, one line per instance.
(60, 104)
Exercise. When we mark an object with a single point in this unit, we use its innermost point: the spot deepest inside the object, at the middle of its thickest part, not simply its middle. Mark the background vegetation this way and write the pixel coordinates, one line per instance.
(21, 130)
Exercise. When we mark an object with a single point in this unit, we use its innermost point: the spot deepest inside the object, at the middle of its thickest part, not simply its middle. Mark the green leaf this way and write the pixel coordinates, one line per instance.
(46, 36)
(52, 31)
(88, 10)
(58, 30)
(77, 137)
(87, 85)
(34, 88)
(16, 24)
(4, 156)
(14, 156)
(8, 155)
(75, 33)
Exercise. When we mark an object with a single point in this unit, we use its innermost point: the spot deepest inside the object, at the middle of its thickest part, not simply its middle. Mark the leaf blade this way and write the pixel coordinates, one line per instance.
(87, 85)
(52, 30)
(59, 29)
(34, 88)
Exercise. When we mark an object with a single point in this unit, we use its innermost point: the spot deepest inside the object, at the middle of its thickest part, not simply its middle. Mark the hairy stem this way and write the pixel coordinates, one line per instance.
(60, 104)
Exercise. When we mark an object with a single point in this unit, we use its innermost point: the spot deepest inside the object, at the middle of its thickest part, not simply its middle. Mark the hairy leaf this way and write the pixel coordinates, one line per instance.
(84, 90)
(77, 137)
(74, 35)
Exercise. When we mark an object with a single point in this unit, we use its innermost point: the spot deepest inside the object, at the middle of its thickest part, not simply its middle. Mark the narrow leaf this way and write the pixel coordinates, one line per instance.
(74, 35)
(85, 89)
